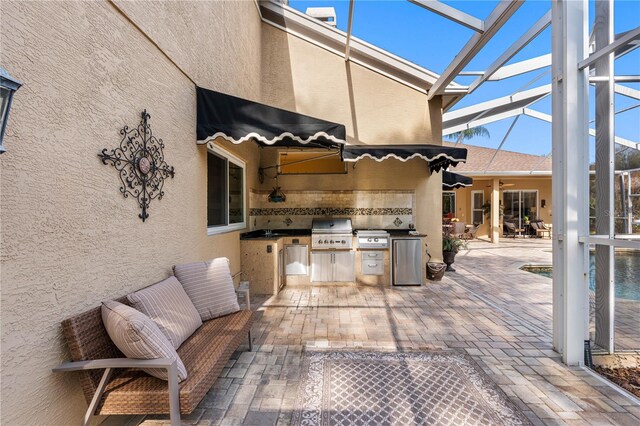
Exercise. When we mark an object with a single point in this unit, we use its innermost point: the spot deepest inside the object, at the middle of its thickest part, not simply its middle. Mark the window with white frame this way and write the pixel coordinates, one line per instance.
(477, 212)
(448, 204)
(225, 191)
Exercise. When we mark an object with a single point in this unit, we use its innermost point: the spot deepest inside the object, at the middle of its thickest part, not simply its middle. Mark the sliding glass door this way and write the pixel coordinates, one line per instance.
(518, 204)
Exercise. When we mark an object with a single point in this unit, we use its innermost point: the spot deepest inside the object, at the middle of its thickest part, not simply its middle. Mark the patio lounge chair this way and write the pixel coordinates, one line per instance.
(510, 229)
(542, 229)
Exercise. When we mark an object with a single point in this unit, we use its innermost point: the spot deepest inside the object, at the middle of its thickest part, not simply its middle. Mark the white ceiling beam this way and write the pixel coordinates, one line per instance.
(627, 38)
(537, 114)
(482, 121)
(546, 117)
(623, 50)
(530, 113)
(347, 44)
(533, 94)
(627, 91)
(502, 12)
(619, 78)
(452, 14)
(516, 47)
(521, 67)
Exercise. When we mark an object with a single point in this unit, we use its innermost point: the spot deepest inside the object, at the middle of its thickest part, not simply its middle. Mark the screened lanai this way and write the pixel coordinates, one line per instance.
(554, 79)
(469, 100)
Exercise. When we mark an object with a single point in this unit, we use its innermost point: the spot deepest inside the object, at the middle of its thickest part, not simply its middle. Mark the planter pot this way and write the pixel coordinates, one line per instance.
(435, 270)
(449, 257)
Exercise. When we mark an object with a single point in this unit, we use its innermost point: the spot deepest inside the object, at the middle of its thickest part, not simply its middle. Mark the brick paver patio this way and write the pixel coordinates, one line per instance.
(498, 314)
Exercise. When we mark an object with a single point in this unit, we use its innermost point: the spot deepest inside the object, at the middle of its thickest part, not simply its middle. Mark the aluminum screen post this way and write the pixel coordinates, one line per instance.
(605, 158)
(570, 178)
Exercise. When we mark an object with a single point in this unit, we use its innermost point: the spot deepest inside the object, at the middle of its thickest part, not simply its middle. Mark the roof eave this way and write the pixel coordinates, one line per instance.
(362, 53)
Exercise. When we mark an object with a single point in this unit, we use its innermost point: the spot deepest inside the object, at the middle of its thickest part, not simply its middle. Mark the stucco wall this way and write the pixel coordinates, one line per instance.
(375, 110)
(541, 184)
(69, 239)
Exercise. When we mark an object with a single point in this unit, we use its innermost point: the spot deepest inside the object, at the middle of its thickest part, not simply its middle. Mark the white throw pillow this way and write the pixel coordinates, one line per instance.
(209, 286)
(168, 305)
(138, 337)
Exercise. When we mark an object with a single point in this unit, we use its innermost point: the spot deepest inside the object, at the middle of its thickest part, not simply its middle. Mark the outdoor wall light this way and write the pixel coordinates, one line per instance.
(8, 86)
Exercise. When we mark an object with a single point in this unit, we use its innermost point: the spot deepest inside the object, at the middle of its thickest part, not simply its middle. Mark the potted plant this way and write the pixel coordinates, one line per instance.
(526, 220)
(451, 244)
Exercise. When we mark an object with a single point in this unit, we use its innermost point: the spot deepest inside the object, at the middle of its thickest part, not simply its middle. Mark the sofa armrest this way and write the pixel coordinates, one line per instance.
(95, 364)
(243, 288)
(108, 364)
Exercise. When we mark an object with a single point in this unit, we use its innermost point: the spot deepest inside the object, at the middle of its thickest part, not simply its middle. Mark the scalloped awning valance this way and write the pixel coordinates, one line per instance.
(438, 157)
(454, 181)
(238, 120)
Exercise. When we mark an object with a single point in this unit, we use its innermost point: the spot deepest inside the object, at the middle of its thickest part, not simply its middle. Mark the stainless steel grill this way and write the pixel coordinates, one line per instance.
(373, 239)
(331, 234)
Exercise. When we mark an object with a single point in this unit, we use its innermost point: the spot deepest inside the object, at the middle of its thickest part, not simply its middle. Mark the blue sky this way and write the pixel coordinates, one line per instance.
(432, 41)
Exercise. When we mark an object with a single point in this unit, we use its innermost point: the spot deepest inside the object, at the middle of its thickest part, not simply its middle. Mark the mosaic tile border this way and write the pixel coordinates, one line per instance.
(331, 211)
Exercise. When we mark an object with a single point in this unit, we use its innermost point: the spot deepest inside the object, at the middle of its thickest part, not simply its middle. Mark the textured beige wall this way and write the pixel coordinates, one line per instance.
(375, 110)
(69, 239)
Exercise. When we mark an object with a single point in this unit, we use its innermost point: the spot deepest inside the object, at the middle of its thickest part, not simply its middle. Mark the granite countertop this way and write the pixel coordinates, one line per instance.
(282, 233)
(275, 234)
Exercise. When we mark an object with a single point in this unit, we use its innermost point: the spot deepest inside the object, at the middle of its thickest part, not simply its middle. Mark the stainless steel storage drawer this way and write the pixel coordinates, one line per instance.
(372, 255)
(372, 267)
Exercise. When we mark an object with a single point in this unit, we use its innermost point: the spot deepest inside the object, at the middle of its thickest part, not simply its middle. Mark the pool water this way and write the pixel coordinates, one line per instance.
(627, 274)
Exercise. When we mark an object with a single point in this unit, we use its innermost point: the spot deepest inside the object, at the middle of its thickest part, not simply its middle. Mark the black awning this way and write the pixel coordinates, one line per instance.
(438, 157)
(454, 181)
(238, 120)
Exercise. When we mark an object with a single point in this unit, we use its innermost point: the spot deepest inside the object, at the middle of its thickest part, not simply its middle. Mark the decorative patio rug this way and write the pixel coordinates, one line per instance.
(399, 388)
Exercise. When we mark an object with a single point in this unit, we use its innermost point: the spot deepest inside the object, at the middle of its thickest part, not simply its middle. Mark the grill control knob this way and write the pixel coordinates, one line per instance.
(369, 239)
(375, 240)
(320, 241)
(326, 242)
(331, 242)
(344, 242)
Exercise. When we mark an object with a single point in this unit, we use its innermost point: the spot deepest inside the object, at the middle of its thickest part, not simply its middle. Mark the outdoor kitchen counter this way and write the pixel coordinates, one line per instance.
(275, 234)
(395, 233)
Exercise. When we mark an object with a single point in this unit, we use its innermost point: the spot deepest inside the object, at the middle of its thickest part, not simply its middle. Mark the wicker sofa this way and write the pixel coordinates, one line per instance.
(113, 384)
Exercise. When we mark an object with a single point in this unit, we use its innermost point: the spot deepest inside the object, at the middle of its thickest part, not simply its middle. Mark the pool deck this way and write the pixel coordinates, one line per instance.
(498, 314)
(505, 285)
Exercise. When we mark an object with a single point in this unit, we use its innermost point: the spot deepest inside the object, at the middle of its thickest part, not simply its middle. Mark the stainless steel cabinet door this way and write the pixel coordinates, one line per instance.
(407, 262)
(321, 266)
(344, 266)
(296, 259)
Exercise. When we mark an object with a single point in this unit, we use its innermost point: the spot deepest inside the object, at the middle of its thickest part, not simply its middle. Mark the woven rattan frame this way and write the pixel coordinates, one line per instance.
(204, 354)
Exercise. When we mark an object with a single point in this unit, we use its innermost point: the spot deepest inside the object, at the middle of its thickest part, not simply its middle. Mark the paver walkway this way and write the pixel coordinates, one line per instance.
(496, 313)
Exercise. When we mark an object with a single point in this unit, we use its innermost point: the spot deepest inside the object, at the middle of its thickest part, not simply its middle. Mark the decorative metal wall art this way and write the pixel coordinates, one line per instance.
(140, 163)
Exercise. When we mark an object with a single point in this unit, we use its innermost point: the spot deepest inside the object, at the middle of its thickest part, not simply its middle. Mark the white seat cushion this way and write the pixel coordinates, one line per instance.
(167, 304)
(137, 336)
(209, 286)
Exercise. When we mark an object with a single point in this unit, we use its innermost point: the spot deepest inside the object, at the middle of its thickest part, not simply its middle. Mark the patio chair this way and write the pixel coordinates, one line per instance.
(543, 229)
(470, 234)
(510, 229)
(458, 229)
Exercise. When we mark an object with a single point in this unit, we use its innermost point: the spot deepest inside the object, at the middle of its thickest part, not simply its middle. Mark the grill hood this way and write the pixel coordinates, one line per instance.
(332, 226)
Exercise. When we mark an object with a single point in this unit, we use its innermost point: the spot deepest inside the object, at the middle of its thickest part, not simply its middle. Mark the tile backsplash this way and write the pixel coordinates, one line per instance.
(367, 209)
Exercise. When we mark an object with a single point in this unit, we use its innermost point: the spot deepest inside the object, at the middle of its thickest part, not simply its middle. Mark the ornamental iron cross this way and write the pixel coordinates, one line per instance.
(140, 163)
